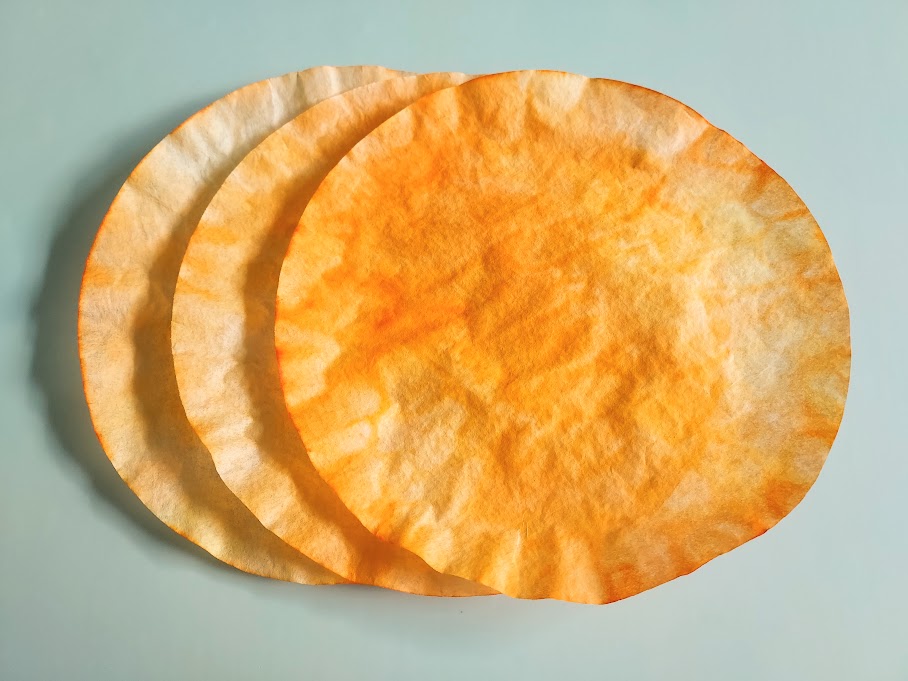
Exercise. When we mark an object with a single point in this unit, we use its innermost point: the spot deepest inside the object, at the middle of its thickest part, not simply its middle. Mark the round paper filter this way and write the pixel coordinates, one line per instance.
(124, 320)
(223, 339)
(561, 336)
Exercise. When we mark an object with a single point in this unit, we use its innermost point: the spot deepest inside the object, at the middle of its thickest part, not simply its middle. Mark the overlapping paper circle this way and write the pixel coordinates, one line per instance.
(529, 333)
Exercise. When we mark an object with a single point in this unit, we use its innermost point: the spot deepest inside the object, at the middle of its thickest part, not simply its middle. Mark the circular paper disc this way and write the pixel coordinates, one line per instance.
(561, 336)
(223, 339)
(124, 320)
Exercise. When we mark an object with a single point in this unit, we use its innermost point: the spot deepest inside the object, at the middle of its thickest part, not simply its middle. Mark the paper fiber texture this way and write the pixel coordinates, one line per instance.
(223, 339)
(124, 320)
(561, 336)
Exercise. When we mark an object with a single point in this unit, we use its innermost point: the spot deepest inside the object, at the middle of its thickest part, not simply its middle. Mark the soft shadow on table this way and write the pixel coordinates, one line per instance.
(54, 369)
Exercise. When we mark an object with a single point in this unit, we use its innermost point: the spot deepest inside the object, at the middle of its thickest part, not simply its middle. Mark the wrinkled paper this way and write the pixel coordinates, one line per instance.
(223, 339)
(124, 320)
(561, 337)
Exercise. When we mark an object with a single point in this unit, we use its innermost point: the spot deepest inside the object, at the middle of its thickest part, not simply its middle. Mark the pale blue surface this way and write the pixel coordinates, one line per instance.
(93, 587)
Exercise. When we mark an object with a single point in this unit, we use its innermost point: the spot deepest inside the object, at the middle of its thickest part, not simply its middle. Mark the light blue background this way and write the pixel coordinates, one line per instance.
(94, 587)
